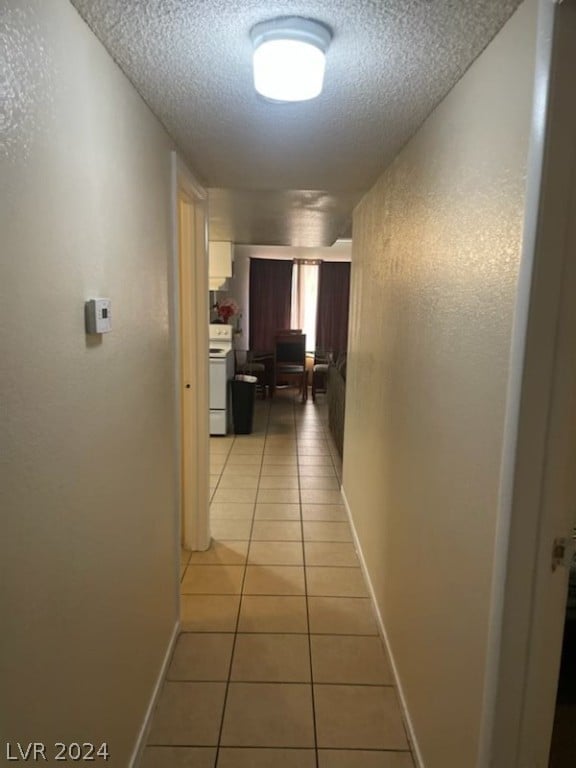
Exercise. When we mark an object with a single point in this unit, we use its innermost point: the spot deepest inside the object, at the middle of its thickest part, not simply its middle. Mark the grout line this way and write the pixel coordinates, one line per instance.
(241, 595)
(285, 417)
(307, 605)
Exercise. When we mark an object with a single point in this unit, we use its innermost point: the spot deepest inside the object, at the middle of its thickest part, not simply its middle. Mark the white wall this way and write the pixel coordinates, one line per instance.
(436, 253)
(88, 518)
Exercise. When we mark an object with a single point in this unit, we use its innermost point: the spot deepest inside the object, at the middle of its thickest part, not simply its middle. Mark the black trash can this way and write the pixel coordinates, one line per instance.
(243, 397)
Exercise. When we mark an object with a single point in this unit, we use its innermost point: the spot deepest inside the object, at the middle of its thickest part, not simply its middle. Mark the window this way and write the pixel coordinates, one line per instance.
(305, 299)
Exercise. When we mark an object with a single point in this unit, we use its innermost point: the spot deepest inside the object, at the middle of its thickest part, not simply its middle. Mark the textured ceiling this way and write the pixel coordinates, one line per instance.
(389, 64)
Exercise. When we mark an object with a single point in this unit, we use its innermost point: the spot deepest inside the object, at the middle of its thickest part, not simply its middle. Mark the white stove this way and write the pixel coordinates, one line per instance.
(221, 372)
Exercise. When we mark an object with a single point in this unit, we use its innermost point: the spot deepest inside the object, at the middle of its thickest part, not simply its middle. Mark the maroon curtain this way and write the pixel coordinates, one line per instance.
(333, 303)
(269, 301)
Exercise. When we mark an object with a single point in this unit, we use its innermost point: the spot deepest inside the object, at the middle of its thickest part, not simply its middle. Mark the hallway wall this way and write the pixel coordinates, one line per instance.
(436, 252)
(88, 568)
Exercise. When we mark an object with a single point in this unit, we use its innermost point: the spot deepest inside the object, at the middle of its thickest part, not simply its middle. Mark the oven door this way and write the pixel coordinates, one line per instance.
(218, 384)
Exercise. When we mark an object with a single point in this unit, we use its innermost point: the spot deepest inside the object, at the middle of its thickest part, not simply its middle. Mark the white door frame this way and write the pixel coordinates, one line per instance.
(190, 352)
(538, 489)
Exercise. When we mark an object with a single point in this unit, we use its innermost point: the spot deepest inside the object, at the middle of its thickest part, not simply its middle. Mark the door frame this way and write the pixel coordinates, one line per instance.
(538, 486)
(190, 354)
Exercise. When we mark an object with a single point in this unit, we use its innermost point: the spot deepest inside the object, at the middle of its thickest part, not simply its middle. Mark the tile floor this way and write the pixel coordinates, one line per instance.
(279, 662)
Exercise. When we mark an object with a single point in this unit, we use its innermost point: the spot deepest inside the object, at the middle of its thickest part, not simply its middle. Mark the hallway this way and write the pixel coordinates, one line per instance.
(279, 661)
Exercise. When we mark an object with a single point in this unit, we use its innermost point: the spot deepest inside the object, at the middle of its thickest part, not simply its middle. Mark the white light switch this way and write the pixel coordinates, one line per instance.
(98, 316)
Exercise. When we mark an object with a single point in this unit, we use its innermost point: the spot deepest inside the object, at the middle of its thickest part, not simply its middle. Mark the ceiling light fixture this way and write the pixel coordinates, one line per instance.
(289, 58)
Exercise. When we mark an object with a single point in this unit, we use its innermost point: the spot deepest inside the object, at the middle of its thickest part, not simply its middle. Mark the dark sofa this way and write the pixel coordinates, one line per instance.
(336, 397)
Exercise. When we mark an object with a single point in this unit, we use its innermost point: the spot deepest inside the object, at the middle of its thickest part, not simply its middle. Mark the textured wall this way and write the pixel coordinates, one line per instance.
(88, 519)
(435, 260)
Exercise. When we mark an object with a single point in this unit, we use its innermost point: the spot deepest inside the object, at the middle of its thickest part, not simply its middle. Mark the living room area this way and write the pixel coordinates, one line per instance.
(301, 293)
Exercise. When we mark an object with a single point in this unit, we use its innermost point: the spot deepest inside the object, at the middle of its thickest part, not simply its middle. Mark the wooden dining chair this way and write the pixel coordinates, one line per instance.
(290, 360)
(320, 372)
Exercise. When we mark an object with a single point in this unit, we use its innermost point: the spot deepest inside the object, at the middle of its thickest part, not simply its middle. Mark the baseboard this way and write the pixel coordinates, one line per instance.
(417, 755)
(145, 728)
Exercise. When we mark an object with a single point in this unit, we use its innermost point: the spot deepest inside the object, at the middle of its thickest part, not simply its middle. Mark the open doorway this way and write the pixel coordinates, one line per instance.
(541, 489)
(191, 355)
(563, 748)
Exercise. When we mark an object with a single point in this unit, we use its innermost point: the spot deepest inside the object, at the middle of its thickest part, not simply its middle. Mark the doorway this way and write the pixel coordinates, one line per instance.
(563, 749)
(538, 493)
(191, 356)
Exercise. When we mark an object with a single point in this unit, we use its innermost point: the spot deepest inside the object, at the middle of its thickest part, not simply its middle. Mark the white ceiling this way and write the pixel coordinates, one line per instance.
(291, 173)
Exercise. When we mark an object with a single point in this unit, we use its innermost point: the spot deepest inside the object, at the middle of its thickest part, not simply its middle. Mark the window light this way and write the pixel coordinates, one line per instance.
(289, 58)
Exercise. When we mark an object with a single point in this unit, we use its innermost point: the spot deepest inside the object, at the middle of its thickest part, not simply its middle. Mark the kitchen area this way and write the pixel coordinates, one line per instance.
(221, 336)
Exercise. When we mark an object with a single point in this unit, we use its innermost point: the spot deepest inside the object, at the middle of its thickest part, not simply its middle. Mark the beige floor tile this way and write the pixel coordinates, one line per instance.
(227, 510)
(274, 580)
(310, 449)
(244, 445)
(268, 715)
(327, 531)
(220, 445)
(271, 658)
(276, 530)
(216, 466)
(350, 660)
(254, 436)
(345, 758)
(341, 554)
(275, 553)
(324, 513)
(328, 581)
(178, 757)
(341, 616)
(317, 470)
(319, 497)
(249, 459)
(231, 530)
(222, 553)
(310, 461)
(237, 481)
(278, 482)
(236, 495)
(273, 614)
(209, 613)
(279, 496)
(279, 470)
(271, 459)
(228, 757)
(317, 483)
(279, 449)
(244, 470)
(358, 717)
(277, 511)
(281, 440)
(212, 580)
(188, 714)
(201, 656)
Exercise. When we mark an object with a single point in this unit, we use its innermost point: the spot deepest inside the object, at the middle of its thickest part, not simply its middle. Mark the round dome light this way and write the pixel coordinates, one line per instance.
(289, 58)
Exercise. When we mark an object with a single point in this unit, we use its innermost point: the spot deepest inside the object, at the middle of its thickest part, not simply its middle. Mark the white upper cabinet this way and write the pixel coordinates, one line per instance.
(219, 263)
